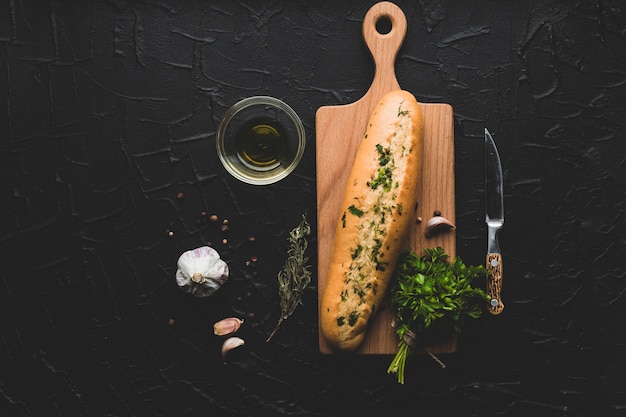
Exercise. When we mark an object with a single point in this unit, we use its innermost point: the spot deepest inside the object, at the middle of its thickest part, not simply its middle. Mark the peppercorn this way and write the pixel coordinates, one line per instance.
(437, 213)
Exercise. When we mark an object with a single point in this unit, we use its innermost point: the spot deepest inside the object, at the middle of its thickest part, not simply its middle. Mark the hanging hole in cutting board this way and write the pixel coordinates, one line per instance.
(383, 25)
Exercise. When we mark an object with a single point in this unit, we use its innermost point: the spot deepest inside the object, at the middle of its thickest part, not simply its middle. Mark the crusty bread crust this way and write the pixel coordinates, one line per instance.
(374, 219)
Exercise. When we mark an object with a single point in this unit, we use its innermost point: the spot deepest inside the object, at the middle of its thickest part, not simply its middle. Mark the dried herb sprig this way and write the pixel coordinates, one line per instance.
(295, 275)
(432, 289)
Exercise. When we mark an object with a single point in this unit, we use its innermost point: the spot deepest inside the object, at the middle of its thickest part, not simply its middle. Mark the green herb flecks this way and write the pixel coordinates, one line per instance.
(383, 178)
(353, 318)
(384, 173)
(355, 211)
(431, 289)
(295, 275)
(384, 155)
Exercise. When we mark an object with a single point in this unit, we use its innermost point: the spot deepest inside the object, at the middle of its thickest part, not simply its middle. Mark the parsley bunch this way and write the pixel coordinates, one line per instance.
(429, 289)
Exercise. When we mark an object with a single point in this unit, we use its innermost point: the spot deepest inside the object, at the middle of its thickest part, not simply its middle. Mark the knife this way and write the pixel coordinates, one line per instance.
(494, 216)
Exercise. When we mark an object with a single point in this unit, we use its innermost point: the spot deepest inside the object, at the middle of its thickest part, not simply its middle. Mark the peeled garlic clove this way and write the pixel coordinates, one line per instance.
(201, 272)
(227, 326)
(438, 224)
(230, 344)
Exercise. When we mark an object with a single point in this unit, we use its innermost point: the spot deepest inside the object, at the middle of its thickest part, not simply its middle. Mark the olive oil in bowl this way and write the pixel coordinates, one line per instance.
(260, 140)
(262, 144)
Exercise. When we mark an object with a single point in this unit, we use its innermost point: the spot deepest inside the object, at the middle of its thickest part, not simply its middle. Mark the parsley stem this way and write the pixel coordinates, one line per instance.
(398, 363)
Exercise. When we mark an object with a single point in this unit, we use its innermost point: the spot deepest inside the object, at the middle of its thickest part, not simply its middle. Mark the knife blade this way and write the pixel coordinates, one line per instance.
(494, 217)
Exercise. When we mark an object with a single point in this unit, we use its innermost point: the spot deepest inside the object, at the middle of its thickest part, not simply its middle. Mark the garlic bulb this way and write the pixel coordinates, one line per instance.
(201, 272)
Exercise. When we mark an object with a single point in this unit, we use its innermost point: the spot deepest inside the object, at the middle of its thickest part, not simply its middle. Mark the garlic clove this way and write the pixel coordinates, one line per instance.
(438, 224)
(201, 272)
(230, 344)
(227, 326)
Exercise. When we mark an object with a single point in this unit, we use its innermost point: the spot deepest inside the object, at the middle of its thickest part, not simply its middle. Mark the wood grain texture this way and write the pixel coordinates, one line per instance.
(339, 130)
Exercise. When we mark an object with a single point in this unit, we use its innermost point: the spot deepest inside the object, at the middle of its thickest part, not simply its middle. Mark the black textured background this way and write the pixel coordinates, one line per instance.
(108, 110)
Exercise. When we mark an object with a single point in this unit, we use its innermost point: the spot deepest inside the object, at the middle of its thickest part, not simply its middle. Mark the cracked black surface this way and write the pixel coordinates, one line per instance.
(108, 110)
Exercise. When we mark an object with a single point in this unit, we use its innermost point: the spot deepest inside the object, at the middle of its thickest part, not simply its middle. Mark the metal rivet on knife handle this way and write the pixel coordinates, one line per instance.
(494, 282)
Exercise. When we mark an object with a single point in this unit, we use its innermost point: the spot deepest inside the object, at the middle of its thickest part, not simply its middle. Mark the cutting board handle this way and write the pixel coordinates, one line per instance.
(384, 47)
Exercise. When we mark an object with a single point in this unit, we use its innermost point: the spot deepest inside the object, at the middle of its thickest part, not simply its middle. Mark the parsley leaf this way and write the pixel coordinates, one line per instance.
(355, 210)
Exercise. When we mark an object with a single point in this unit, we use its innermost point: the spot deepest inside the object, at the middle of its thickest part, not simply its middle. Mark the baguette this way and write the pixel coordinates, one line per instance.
(374, 219)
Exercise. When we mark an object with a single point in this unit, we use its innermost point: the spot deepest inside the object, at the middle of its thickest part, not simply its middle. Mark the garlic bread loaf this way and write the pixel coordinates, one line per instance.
(374, 219)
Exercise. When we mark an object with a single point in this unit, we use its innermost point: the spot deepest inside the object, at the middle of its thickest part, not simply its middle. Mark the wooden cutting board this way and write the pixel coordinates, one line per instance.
(339, 130)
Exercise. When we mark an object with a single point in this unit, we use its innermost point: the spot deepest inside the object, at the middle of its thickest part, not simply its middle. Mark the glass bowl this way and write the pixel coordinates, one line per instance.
(260, 140)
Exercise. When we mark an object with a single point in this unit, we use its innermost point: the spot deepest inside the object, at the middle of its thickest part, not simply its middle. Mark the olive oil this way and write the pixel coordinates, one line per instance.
(262, 144)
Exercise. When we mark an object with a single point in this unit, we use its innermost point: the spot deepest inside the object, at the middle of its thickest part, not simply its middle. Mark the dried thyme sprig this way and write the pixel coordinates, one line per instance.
(295, 275)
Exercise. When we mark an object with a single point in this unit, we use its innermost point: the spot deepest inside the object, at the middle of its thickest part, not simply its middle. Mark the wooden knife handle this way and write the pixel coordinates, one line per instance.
(494, 283)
